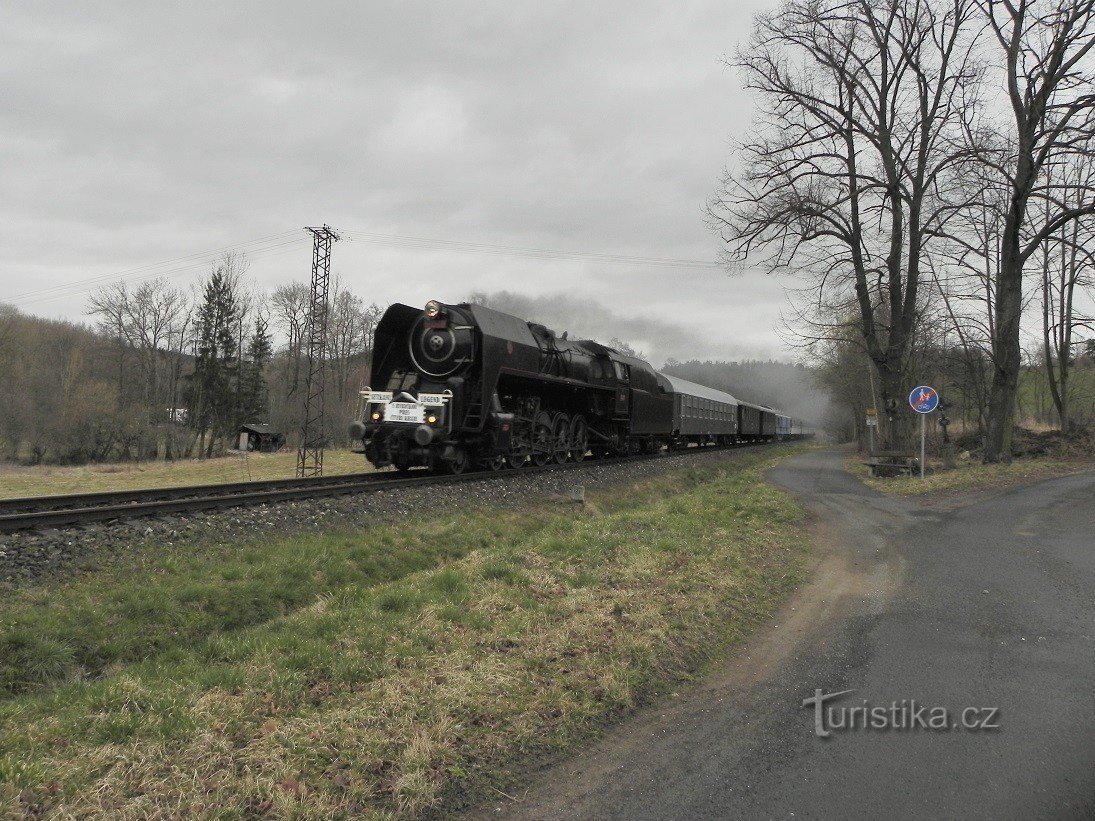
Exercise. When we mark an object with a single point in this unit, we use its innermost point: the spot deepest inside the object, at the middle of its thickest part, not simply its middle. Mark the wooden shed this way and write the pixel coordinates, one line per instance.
(262, 438)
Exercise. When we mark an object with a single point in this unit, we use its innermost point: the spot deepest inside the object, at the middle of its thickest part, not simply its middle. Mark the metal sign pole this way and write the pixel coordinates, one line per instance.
(923, 416)
(923, 399)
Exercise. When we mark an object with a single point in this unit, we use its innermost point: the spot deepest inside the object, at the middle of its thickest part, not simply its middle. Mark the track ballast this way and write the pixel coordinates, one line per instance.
(73, 510)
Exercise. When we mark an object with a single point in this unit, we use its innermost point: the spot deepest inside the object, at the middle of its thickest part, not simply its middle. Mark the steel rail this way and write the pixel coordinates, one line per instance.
(43, 512)
(29, 504)
(137, 504)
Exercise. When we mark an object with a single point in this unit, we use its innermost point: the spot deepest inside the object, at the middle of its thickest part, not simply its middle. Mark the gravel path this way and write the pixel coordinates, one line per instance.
(29, 557)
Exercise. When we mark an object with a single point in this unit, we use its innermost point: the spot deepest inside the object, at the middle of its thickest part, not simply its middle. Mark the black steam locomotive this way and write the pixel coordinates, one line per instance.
(467, 386)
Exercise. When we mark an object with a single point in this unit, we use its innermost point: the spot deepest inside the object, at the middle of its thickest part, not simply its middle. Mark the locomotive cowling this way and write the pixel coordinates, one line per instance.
(460, 385)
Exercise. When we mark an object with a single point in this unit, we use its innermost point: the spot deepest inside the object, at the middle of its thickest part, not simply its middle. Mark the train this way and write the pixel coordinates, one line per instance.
(464, 386)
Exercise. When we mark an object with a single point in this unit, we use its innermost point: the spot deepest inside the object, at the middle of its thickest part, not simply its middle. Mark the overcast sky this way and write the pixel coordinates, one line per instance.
(133, 134)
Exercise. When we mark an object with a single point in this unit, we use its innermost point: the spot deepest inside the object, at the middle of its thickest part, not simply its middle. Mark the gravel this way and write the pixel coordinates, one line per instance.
(32, 556)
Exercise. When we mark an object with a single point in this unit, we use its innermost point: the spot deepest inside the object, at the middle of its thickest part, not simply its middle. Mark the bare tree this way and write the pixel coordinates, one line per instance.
(866, 107)
(290, 308)
(964, 270)
(347, 338)
(147, 325)
(1067, 260)
(1048, 75)
(111, 306)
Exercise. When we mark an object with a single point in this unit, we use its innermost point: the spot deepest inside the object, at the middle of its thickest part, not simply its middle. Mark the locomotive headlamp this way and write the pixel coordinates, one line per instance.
(376, 416)
(431, 419)
(433, 309)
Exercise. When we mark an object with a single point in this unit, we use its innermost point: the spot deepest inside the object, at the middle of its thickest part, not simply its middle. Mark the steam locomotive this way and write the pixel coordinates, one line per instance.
(465, 386)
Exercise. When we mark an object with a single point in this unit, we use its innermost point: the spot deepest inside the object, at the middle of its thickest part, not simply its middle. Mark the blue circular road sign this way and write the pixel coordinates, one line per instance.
(924, 399)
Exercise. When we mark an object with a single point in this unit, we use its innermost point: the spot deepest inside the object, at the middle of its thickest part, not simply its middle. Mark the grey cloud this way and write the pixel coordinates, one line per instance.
(137, 132)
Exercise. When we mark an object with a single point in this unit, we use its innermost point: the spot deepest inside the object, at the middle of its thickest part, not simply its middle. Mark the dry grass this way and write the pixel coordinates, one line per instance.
(970, 475)
(236, 467)
(388, 696)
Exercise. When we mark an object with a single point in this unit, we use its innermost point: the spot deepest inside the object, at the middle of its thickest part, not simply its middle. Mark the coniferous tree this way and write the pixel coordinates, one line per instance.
(255, 394)
(214, 384)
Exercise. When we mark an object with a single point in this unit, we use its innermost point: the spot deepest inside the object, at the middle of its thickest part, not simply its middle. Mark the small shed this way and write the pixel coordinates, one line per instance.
(261, 438)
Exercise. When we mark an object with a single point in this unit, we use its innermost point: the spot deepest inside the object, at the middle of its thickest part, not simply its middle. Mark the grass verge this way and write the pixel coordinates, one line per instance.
(971, 475)
(380, 673)
(44, 480)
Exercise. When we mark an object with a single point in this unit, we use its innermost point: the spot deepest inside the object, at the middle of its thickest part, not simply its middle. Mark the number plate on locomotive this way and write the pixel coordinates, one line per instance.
(405, 412)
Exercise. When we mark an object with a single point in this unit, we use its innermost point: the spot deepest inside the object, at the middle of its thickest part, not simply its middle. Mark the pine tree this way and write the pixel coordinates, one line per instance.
(215, 379)
(255, 395)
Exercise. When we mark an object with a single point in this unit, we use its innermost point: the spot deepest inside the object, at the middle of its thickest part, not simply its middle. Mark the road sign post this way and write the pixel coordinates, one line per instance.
(923, 438)
(872, 423)
(923, 399)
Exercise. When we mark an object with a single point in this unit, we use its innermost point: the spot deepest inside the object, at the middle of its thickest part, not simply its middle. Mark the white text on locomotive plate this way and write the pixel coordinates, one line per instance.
(405, 412)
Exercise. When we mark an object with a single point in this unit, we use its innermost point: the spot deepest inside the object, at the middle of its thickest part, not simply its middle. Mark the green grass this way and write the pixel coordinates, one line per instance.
(44, 480)
(967, 476)
(378, 672)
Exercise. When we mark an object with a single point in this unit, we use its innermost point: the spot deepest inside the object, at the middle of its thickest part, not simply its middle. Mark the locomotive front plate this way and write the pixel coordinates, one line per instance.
(405, 412)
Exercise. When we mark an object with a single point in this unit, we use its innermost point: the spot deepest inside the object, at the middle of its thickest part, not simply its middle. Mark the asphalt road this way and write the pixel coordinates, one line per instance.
(987, 605)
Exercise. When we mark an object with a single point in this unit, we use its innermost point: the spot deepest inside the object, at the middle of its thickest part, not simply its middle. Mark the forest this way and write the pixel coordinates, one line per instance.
(164, 372)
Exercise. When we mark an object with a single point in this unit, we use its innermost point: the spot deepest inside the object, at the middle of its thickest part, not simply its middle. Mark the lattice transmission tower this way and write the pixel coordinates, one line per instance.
(312, 436)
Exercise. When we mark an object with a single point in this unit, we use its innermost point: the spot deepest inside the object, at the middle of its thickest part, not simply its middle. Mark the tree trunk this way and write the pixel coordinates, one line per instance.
(892, 385)
(1007, 360)
(1006, 354)
(1064, 402)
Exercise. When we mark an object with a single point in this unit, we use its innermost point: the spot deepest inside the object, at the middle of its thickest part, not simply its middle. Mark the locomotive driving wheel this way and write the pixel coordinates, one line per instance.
(496, 462)
(561, 428)
(458, 463)
(579, 438)
(543, 439)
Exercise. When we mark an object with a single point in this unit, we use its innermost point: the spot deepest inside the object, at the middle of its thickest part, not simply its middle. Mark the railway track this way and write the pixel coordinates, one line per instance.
(43, 512)
(71, 510)
(32, 504)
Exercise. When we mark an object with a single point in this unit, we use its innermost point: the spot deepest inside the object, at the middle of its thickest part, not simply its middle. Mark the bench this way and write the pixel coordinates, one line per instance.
(892, 464)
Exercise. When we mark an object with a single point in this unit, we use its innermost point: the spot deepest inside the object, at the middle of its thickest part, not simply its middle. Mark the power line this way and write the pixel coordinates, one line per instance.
(287, 241)
(163, 268)
(199, 255)
(426, 243)
(155, 270)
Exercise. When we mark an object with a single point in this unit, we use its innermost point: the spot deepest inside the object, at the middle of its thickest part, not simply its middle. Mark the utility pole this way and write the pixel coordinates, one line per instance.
(310, 452)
